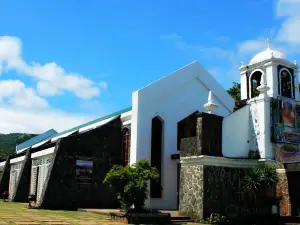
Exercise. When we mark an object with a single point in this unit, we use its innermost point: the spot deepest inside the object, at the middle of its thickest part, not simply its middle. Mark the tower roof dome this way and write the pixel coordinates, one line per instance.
(267, 54)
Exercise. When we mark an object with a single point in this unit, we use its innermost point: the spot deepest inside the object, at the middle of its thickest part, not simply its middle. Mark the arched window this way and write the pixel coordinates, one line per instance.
(286, 88)
(126, 146)
(255, 79)
(156, 155)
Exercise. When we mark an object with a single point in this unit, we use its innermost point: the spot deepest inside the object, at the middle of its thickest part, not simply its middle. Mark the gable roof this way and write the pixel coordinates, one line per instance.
(36, 139)
(193, 70)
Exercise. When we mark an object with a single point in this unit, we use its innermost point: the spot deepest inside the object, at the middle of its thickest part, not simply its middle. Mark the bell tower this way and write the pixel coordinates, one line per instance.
(280, 75)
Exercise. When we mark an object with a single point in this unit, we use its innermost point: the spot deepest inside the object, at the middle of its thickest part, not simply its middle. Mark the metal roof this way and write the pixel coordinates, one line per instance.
(93, 121)
(36, 140)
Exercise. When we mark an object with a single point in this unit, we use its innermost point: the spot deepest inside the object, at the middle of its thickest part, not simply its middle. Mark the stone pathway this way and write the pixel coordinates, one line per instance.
(18, 214)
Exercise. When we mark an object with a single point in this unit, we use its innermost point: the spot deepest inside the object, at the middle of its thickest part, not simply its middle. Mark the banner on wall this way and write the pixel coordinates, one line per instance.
(286, 121)
(84, 171)
(287, 153)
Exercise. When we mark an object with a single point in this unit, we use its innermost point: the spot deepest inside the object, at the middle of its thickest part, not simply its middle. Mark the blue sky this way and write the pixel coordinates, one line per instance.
(66, 62)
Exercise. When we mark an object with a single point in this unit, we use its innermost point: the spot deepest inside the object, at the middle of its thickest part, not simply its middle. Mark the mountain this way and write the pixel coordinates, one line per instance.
(8, 142)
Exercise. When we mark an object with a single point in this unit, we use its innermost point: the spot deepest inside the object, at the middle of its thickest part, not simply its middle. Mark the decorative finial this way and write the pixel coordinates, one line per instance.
(210, 105)
(268, 43)
(295, 62)
(263, 88)
(242, 63)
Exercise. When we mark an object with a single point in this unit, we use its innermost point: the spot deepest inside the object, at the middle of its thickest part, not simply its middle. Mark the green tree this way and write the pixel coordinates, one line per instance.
(130, 183)
(235, 91)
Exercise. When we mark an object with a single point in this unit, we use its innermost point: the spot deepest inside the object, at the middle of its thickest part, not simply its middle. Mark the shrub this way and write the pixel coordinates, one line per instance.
(130, 183)
(258, 178)
(215, 218)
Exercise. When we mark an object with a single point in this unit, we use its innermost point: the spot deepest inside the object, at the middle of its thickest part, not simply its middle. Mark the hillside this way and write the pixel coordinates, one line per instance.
(8, 142)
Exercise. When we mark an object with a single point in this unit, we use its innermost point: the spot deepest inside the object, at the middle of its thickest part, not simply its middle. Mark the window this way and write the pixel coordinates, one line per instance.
(255, 79)
(126, 146)
(286, 84)
(156, 155)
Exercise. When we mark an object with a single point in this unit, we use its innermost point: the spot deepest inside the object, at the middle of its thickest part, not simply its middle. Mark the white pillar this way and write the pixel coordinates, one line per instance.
(264, 113)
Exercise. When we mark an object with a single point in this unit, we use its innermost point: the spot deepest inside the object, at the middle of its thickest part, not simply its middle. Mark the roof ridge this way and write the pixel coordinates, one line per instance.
(94, 121)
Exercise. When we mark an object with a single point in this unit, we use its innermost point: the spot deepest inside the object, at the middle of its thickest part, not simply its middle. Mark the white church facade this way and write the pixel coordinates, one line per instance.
(185, 124)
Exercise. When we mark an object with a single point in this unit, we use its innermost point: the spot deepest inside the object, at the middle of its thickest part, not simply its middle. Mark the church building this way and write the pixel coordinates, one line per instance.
(189, 128)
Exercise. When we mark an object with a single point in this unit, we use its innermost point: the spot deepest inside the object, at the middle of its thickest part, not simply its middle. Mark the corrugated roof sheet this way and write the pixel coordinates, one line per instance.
(94, 121)
(36, 139)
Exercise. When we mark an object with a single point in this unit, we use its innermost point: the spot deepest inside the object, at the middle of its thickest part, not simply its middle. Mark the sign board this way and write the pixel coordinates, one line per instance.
(84, 171)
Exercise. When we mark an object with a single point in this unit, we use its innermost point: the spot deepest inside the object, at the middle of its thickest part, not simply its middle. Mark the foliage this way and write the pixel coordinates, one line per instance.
(235, 91)
(8, 142)
(258, 178)
(130, 183)
(255, 91)
(215, 218)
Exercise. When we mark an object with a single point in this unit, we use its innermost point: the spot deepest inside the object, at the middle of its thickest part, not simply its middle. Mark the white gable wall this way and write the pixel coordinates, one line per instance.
(172, 98)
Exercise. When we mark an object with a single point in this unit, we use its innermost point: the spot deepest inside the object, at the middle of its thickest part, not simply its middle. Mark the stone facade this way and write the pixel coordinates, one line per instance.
(191, 191)
(208, 139)
(212, 189)
(102, 145)
(209, 134)
(188, 146)
(282, 190)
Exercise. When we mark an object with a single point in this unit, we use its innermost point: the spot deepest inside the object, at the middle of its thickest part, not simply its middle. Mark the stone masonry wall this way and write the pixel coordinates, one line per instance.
(208, 139)
(191, 191)
(104, 146)
(211, 189)
(282, 189)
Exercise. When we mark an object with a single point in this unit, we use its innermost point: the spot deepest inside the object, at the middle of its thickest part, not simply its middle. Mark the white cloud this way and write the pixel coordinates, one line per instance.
(103, 85)
(289, 31)
(15, 93)
(251, 46)
(288, 8)
(53, 79)
(37, 121)
(22, 110)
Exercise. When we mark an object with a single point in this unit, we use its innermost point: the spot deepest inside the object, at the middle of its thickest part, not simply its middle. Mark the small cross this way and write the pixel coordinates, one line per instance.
(268, 43)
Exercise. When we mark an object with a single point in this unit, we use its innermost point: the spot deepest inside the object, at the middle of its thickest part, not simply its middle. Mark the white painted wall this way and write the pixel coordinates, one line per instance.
(243, 85)
(248, 129)
(236, 133)
(173, 98)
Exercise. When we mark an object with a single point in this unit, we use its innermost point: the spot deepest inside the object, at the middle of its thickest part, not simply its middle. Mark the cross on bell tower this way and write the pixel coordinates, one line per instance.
(268, 43)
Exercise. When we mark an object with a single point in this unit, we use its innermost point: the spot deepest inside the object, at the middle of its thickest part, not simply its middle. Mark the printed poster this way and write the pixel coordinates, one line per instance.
(84, 171)
(286, 127)
(287, 153)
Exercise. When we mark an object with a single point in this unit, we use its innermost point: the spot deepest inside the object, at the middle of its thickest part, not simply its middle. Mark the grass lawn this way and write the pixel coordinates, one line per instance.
(17, 213)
